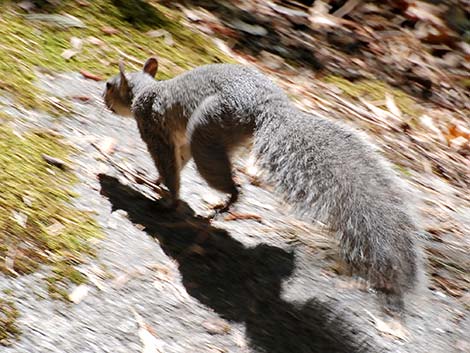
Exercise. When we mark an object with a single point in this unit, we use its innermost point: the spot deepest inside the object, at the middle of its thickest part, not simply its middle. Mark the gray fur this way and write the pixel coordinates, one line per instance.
(326, 170)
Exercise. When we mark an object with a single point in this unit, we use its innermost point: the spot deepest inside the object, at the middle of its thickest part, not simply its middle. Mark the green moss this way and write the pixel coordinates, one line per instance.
(38, 226)
(62, 275)
(37, 223)
(72, 274)
(465, 83)
(402, 170)
(29, 45)
(4, 117)
(57, 289)
(374, 90)
(8, 316)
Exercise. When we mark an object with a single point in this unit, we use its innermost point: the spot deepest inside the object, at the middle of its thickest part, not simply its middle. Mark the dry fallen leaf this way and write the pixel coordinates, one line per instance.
(272, 61)
(458, 142)
(121, 280)
(109, 30)
(150, 343)
(216, 327)
(425, 12)
(168, 38)
(428, 122)
(82, 98)
(392, 328)
(55, 228)
(191, 15)
(346, 8)
(26, 5)
(457, 130)
(68, 54)
(20, 218)
(10, 260)
(381, 114)
(96, 280)
(234, 216)
(392, 106)
(28, 201)
(352, 283)
(319, 16)
(451, 288)
(162, 273)
(65, 21)
(252, 29)
(95, 41)
(91, 76)
(76, 43)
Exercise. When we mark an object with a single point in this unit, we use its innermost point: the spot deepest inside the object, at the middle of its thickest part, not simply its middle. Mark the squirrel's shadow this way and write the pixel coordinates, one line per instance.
(241, 284)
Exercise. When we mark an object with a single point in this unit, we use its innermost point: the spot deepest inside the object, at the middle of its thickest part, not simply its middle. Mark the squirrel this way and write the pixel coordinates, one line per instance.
(325, 169)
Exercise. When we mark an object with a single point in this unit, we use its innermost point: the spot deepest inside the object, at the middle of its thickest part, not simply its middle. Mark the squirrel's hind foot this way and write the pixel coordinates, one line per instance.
(224, 207)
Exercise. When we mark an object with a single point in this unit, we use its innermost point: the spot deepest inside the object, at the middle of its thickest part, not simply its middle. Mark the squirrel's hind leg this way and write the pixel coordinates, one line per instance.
(213, 133)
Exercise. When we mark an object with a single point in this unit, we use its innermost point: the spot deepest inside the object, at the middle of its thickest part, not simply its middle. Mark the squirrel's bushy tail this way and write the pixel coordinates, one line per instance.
(329, 173)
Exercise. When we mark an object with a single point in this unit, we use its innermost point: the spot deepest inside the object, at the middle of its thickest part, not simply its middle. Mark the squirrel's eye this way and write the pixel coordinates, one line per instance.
(108, 85)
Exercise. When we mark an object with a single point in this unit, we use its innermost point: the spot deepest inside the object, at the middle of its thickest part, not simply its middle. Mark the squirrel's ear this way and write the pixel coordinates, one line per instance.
(151, 66)
(121, 69)
(123, 85)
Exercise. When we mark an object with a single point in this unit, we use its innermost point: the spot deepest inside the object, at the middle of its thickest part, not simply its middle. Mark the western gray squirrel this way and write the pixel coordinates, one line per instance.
(326, 170)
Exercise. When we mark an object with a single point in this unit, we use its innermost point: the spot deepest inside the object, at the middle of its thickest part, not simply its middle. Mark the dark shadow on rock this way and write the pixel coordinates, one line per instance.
(241, 284)
(255, 33)
(141, 14)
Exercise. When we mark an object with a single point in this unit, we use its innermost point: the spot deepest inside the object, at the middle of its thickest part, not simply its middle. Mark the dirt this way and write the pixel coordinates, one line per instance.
(265, 284)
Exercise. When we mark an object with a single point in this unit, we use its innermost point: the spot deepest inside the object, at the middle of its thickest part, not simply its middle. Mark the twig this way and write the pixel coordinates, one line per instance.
(126, 172)
(346, 8)
(10, 260)
(233, 216)
(59, 163)
(129, 57)
(352, 109)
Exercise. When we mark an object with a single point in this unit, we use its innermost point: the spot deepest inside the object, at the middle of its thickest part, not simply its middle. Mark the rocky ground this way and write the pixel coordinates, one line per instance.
(177, 282)
(258, 279)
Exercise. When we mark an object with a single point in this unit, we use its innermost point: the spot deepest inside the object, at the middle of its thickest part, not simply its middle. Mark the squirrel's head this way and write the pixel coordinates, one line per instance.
(118, 93)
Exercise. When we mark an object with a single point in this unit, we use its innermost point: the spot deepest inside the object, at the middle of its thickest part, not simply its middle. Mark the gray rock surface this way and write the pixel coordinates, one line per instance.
(220, 286)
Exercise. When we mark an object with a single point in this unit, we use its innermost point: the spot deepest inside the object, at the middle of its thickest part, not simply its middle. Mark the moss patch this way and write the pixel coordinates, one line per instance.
(374, 90)
(8, 316)
(62, 275)
(37, 223)
(29, 44)
(38, 226)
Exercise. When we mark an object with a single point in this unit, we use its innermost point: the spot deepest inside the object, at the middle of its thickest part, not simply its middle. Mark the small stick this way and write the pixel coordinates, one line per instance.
(59, 163)
(346, 8)
(126, 172)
